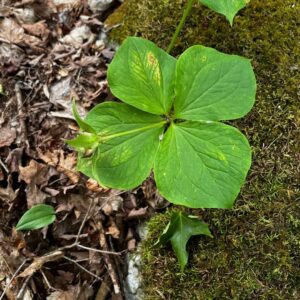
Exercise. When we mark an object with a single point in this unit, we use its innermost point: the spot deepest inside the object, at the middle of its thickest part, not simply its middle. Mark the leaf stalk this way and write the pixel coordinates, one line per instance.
(180, 24)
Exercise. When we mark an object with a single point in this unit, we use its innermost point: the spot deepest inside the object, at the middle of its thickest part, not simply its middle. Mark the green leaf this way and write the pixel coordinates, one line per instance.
(142, 75)
(179, 230)
(202, 165)
(85, 164)
(214, 86)
(228, 8)
(82, 124)
(129, 142)
(37, 217)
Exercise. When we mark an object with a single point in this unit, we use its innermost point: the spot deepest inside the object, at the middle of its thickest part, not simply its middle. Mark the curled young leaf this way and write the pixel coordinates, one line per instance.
(179, 230)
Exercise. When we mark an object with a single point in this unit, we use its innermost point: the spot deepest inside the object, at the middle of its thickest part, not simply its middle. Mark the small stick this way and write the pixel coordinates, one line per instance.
(23, 130)
(83, 223)
(22, 290)
(4, 166)
(81, 267)
(111, 270)
(97, 250)
(50, 287)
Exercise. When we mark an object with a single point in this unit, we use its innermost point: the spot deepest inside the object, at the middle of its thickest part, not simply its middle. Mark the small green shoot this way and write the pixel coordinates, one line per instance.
(37, 217)
(228, 8)
(178, 231)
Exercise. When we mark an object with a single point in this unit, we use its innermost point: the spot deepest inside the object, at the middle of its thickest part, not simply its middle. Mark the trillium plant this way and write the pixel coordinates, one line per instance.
(171, 122)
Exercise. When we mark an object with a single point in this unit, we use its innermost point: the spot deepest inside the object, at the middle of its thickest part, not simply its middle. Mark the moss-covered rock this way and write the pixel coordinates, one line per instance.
(255, 253)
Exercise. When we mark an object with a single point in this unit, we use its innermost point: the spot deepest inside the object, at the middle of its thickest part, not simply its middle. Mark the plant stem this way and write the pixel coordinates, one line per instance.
(186, 12)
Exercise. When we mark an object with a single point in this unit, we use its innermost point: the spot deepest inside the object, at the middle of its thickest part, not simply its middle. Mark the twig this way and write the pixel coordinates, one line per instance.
(111, 270)
(23, 130)
(22, 290)
(12, 278)
(97, 250)
(50, 287)
(81, 267)
(83, 223)
(4, 166)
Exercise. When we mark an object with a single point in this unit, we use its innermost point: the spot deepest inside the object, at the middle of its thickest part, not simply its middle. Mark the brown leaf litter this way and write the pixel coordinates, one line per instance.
(50, 52)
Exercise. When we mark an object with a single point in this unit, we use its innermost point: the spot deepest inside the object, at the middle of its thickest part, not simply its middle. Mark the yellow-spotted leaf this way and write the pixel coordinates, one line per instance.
(142, 75)
(128, 143)
(213, 86)
(228, 8)
(202, 165)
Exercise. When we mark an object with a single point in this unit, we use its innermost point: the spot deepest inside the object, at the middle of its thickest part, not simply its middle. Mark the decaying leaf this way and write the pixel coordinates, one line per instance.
(34, 172)
(63, 163)
(79, 36)
(8, 194)
(38, 29)
(7, 136)
(97, 6)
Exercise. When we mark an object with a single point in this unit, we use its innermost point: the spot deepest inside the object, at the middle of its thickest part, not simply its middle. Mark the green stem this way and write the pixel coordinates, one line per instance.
(108, 137)
(181, 24)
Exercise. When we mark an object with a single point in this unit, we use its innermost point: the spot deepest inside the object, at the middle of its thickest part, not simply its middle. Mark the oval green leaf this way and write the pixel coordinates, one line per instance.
(129, 142)
(202, 165)
(142, 75)
(214, 86)
(37, 217)
(228, 8)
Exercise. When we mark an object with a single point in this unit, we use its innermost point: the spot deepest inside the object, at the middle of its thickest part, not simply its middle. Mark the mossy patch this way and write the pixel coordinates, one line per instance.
(255, 252)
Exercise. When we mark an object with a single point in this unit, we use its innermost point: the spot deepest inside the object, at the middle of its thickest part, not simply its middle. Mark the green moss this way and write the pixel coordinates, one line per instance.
(255, 253)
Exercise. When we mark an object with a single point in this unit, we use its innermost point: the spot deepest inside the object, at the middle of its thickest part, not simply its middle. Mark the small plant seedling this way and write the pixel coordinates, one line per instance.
(170, 122)
(37, 217)
(179, 230)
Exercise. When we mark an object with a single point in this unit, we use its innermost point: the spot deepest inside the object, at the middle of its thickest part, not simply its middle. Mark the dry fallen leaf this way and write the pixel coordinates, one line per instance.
(97, 6)
(137, 213)
(8, 194)
(7, 136)
(38, 29)
(34, 195)
(12, 33)
(64, 164)
(34, 172)
(79, 36)
(113, 230)
(112, 204)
